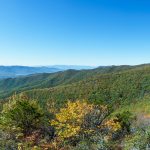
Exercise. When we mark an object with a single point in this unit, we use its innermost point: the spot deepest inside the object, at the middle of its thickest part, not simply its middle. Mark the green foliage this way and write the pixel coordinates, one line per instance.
(9, 86)
(24, 114)
(125, 120)
(113, 89)
(23, 120)
(121, 125)
(140, 140)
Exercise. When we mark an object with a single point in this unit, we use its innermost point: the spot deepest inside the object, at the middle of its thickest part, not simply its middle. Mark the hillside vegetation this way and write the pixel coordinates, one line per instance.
(107, 108)
(45, 80)
(108, 88)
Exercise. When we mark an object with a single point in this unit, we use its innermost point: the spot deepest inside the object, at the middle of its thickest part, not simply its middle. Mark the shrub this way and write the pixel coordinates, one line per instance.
(79, 123)
(23, 120)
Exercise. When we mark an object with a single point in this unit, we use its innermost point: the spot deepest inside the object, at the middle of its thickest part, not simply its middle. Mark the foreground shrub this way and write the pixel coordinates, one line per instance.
(24, 114)
(24, 121)
(68, 121)
(79, 123)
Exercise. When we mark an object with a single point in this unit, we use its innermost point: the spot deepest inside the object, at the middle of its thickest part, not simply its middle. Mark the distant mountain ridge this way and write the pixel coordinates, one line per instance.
(15, 71)
(61, 78)
(75, 67)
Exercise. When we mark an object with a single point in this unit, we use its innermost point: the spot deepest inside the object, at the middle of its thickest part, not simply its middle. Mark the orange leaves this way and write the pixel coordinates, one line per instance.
(113, 124)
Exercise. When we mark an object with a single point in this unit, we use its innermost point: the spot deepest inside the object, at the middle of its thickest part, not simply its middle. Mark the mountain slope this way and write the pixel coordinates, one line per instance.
(114, 88)
(102, 84)
(46, 80)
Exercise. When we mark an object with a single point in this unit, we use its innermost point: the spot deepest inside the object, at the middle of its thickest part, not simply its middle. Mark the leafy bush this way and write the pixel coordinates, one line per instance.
(79, 123)
(125, 118)
(23, 120)
(26, 115)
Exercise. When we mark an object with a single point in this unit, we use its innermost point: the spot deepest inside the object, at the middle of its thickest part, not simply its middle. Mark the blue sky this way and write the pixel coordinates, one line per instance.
(74, 32)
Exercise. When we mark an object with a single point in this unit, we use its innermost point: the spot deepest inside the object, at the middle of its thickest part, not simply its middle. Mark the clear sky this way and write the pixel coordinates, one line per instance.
(74, 32)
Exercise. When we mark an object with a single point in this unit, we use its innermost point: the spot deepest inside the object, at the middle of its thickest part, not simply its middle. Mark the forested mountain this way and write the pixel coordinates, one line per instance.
(115, 87)
(46, 80)
(73, 109)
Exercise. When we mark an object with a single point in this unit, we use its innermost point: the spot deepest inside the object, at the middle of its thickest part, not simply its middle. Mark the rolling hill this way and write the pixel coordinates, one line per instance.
(47, 80)
(115, 88)
(102, 84)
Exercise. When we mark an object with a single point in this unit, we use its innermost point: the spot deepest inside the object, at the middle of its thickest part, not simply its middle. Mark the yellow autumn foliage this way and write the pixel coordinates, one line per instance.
(68, 121)
(113, 124)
